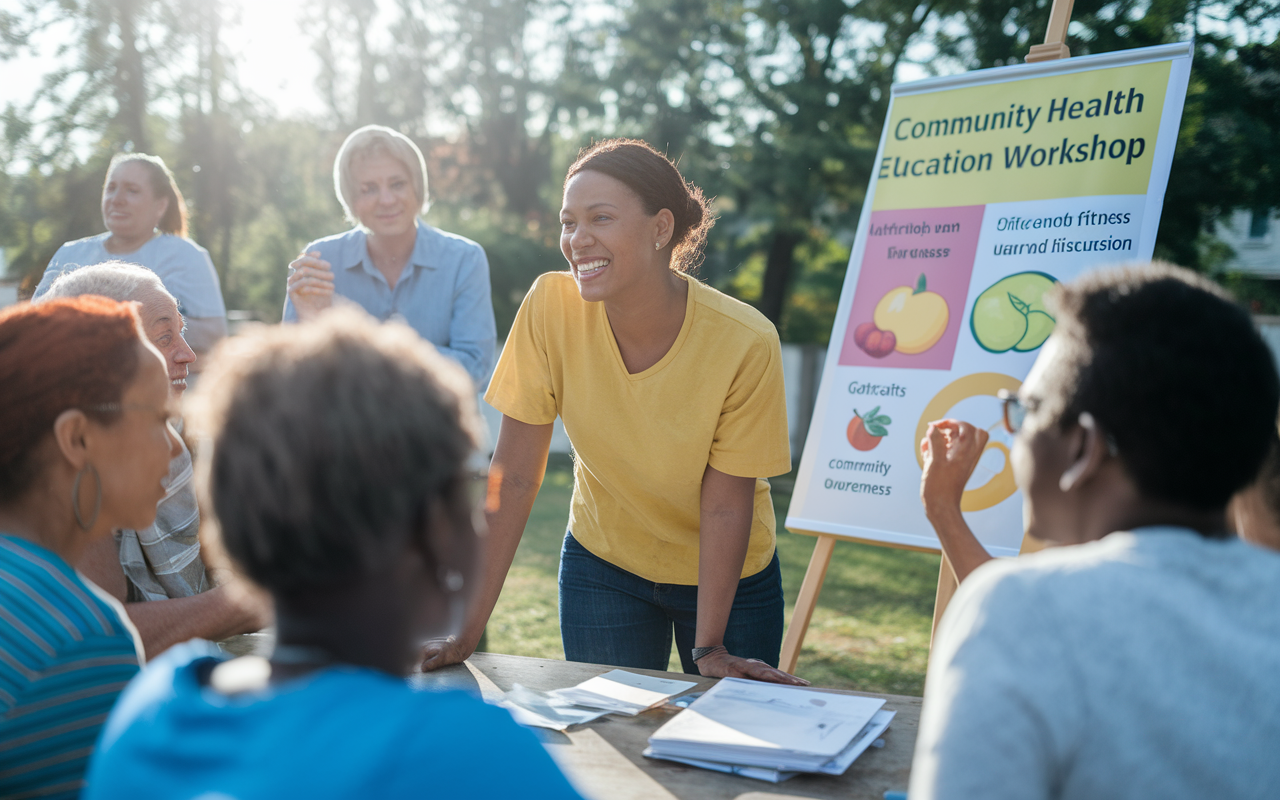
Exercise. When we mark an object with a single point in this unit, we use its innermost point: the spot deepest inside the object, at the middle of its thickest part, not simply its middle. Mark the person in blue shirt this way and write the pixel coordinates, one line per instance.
(146, 221)
(334, 459)
(392, 264)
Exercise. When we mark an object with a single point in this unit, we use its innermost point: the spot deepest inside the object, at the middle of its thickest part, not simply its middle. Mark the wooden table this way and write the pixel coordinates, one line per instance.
(603, 759)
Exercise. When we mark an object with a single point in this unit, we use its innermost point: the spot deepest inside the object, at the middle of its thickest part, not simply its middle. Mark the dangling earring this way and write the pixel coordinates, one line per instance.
(452, 580)
(97, 500)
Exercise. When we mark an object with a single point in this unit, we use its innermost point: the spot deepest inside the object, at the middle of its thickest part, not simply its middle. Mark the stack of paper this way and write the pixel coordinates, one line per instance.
(749, 727)
(535, 709)
(615, 692)
(623, 692)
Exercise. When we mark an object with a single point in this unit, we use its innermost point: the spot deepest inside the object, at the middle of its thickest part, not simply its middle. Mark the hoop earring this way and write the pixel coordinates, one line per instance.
(97, 500)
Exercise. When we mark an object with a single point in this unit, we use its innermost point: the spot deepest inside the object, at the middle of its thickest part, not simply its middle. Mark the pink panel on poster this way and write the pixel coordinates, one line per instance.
(897, 320)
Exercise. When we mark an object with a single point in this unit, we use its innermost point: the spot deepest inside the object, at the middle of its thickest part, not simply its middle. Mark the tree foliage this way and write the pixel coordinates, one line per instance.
(774, 107)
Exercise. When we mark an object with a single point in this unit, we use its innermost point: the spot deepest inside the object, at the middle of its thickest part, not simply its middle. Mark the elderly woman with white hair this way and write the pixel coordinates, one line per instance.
(158, 572)
(393, 264)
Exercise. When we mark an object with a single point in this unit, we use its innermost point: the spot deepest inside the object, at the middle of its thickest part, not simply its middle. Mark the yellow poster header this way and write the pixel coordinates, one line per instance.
(1086, 133)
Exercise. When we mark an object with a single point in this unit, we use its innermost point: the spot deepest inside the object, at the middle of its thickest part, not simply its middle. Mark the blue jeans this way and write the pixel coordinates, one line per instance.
(611, 616)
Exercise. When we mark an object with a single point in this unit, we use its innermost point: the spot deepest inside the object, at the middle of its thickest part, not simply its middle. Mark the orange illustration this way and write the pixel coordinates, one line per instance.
(866, 430)
(908, 320)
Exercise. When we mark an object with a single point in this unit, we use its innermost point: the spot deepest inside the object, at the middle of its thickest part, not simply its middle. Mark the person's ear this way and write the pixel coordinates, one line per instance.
(1088, 448)
(164, 209)
(664, 228)
(70, 433)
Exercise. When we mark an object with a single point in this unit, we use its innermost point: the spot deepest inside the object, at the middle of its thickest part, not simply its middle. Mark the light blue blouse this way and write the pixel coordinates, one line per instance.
(443, 293)
(182, 265)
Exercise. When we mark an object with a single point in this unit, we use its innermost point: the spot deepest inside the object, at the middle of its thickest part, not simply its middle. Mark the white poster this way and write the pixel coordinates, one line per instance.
(990, 187)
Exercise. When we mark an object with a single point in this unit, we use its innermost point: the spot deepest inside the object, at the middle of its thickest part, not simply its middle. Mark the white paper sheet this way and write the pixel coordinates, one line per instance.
(535, 709)
(623, 692)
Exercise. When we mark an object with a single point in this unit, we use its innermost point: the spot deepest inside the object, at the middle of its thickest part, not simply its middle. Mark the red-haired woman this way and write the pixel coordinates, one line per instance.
(84, 446)
(672, 396)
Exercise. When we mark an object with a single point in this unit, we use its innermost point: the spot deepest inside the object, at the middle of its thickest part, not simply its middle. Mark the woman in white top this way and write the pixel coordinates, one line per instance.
(146, 220)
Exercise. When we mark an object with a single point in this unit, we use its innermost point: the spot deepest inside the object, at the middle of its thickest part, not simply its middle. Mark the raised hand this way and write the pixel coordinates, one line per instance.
(951, 450)
(310, 285)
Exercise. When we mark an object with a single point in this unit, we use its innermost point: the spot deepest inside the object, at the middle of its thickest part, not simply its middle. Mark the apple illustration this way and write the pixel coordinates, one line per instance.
(875, 342)
(915, 316)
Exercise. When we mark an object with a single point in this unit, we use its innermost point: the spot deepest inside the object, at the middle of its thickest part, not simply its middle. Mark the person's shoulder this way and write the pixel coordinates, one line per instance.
(559, 283)
(38, 585)
(442, 238)
(77, 250)
(159, 682)
(477, 730)
(734, 315)
(88, 241)
(1108, 566)
(173, 243)
(555, 290)
(472, 720)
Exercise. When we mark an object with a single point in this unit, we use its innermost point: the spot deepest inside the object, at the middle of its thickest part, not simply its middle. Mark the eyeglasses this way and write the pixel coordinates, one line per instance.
(1013, 412)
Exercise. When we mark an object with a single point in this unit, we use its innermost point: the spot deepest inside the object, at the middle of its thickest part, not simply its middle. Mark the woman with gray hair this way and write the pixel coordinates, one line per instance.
(158, 571)
(393, 264)
(365, 538)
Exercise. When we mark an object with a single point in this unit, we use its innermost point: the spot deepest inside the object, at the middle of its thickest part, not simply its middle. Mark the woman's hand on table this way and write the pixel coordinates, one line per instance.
(722, 664)
(950, 450)
(310, 285)
(437, 653)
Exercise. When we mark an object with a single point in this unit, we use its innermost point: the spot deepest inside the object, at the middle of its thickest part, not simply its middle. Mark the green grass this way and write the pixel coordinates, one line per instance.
(870, 630)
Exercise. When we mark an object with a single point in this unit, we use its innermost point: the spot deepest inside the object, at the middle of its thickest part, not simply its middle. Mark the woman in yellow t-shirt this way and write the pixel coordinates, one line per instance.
(673, 398)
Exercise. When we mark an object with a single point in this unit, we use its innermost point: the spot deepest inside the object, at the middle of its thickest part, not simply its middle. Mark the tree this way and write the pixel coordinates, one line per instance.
(102, 82)
(780, 104)
(1226, 156)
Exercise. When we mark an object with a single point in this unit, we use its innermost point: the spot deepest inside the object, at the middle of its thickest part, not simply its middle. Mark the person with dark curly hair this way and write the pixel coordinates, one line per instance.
(334, 460)
(672, 396)
(1141, 661)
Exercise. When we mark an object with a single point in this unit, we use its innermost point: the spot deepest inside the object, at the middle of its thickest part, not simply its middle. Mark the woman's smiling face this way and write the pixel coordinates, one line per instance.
(385, 201)
(129, 206)
(606, 235)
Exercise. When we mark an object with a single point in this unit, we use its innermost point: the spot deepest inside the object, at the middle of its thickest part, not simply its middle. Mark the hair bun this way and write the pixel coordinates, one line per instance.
(658, 184)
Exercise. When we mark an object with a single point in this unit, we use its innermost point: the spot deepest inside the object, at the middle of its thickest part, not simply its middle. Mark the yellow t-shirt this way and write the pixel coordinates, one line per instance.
(642, 442)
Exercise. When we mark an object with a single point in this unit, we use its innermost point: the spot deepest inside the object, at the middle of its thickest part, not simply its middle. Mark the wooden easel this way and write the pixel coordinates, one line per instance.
(1054, 47)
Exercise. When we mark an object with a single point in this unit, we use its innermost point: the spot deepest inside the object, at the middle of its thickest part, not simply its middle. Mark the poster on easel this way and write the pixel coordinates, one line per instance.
(990, 187)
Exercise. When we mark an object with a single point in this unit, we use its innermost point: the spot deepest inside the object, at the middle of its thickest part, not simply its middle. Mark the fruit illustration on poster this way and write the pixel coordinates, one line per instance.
(1010, 315)
(875, 342)
(866, 430)
(908, 319)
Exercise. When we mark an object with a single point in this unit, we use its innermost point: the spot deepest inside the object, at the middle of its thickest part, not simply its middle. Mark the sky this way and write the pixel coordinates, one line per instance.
(273, 59)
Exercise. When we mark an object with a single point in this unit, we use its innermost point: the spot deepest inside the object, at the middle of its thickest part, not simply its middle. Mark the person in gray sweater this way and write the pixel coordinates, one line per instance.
(1144, 661)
